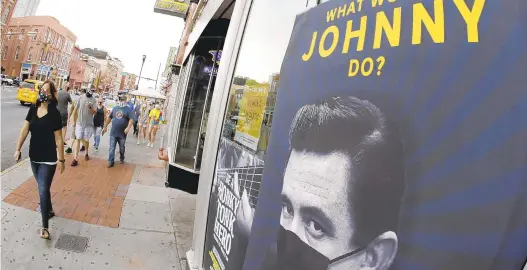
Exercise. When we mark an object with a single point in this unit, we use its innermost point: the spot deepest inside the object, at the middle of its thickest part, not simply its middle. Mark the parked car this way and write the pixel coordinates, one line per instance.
(28, 91)
(6, 80)
(16, 81)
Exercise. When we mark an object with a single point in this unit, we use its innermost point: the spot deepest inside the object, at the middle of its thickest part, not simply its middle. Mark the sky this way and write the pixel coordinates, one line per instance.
(126, 29)
(265, 41)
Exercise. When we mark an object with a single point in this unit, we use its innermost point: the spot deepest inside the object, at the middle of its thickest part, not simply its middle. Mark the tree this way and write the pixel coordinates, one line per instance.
(254, 84)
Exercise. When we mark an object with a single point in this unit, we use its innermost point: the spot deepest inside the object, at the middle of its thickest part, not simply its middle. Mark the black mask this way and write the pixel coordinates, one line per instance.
(294, 254)
(88, 94)
(43, 97)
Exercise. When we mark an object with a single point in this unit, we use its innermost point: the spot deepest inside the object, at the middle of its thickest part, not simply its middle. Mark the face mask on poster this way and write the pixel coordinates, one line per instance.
(294, 254)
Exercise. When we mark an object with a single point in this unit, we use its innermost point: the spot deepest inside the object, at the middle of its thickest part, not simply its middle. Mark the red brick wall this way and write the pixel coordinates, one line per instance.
(10, 5)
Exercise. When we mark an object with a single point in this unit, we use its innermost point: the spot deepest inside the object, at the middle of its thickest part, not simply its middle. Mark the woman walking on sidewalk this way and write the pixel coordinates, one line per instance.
(143, 124)
(46, 144)
(98, 122)
(155, 119)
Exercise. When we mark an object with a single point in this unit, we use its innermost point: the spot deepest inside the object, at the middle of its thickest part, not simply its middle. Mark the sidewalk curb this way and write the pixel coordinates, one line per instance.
(14, 166)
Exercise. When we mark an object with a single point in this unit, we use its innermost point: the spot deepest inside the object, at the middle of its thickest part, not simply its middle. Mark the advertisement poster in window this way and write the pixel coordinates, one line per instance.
(234, 194)
(251, 115)
(399, 140)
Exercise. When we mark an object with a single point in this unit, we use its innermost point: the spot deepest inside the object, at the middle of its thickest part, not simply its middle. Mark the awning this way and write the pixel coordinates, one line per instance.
(147, 93)
(214, 9)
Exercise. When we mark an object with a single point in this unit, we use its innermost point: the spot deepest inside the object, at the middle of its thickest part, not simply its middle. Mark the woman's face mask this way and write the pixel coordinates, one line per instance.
(44, 96)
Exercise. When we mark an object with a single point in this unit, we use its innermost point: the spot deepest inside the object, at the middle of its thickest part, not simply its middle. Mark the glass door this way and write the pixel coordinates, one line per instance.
(196, 102)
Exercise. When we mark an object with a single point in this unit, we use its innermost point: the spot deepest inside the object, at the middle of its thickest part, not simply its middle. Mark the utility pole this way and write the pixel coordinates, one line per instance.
(157, 78)
(140, 71)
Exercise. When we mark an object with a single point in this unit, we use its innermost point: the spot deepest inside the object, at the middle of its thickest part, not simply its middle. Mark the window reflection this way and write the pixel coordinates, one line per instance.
(253, 91)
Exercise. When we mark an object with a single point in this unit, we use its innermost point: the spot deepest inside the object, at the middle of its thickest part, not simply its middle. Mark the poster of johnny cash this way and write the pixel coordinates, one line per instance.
(399, 141)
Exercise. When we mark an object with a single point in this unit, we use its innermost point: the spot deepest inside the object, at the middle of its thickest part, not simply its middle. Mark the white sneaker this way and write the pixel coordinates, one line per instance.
(152, 145)
(138, 142)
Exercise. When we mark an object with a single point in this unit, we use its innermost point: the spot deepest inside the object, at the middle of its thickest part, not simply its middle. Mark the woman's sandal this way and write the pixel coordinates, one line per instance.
(51, 214)
(44, 234)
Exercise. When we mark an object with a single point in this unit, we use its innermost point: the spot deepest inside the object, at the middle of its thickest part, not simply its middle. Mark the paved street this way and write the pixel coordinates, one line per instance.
(13, 115)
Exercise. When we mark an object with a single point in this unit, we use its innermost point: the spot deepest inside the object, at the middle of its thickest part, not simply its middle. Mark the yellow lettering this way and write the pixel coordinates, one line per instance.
(393, 31)
(375, 3)
(327, 52)
(359, 34)
(436, 28)
(330, 15)
(353, 67)
(307, 56)
(471, 17)
(392, 1)
(351, 9)
(360, 4)
(342, 11)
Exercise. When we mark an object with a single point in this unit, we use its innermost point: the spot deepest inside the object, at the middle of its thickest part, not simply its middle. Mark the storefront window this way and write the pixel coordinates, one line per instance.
(256, 81)
(191, 134)
(247, 124)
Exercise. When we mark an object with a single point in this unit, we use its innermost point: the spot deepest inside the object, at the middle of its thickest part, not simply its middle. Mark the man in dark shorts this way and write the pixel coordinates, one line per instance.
(64, 99)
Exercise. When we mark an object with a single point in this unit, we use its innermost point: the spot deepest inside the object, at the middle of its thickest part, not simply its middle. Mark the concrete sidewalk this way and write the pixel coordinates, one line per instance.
(130, 219)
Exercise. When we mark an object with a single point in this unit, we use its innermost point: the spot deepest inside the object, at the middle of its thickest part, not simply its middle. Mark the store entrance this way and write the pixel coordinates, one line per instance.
(192, 110)
(191, 135)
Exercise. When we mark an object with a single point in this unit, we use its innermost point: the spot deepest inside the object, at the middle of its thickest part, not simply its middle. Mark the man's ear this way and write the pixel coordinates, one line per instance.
(381, 251)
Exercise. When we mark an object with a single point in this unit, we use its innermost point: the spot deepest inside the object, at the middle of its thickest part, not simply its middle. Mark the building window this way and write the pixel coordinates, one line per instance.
(9, 35)
(41, 55)
(47, 36)
(17, 52)
(21, 36)
(6, 13)
(30, 54)
(36, 34)
(5, 53)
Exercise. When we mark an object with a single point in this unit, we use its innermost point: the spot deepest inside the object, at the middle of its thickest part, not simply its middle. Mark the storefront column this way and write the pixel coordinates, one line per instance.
(214, 126)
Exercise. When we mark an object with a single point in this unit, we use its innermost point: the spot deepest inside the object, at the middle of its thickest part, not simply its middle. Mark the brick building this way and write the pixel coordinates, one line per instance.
(7, 9)
(77, 68)
(128, 81)
(110, 70)
(45, 53)
(92, 72)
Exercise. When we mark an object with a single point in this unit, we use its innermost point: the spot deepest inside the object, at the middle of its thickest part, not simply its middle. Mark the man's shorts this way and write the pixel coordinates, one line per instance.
(83, 133)
(64, 118)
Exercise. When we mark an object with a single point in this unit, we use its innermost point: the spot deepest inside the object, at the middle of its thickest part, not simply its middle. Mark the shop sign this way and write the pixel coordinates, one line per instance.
(250, 117)
(43, 70)
(209, 69)
(216, 56)
(392, 146)
(26, 68)
(176, 8)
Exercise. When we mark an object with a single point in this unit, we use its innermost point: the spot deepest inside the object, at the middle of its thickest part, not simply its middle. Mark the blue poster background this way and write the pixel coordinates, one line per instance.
(462, 109)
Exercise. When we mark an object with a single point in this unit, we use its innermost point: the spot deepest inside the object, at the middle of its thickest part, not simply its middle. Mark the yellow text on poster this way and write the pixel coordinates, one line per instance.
(215, 264)
(370, 28)
(252, 111)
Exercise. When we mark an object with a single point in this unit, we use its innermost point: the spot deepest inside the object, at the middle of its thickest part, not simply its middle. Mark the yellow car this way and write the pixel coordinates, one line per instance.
(28, 91)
